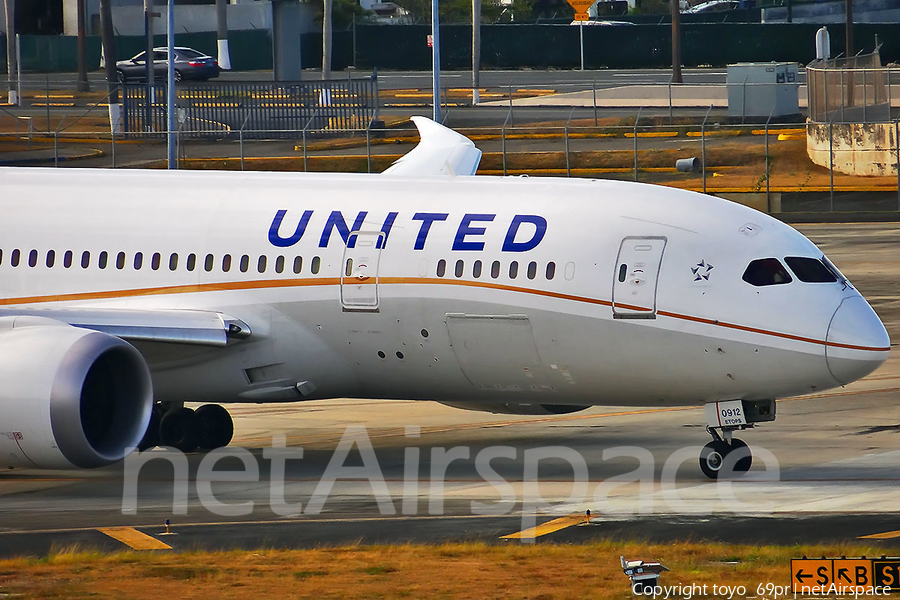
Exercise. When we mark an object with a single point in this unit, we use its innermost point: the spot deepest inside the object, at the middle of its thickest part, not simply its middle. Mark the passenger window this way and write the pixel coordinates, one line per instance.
(298, 264)
(495, 269)
(316, 263)
(120, 260)
(476, 269)
(441, 267)
(32, 258)
(810, 270)
(51, 258)
(279, 264)
(766, 271)
(226, 263)
(173, 261)
(261, 264)
(513, 269)
(14, 259)
(85, 259)
(67, 259)
(1, 257)
(155, 260)
(551, 270)
(532, 270)
(138, 260)
(245, 263)
(460, 265)
(623, 272)
(102, 259)
(209, 262)
(191, 262)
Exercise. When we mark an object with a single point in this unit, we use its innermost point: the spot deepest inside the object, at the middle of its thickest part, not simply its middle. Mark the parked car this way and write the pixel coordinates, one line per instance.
(712, 6)
(189, 65)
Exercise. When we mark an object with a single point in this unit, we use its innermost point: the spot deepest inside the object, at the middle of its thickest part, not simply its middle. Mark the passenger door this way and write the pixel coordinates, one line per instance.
(636, 277)
(359, 271)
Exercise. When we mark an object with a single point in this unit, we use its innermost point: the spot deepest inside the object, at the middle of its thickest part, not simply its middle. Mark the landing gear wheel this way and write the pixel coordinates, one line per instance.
(151, 436)
(712, 458)
(743, 458)
(178, 429)
(214, 427)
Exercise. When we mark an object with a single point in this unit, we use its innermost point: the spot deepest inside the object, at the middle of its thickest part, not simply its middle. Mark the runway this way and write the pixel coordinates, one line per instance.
(824, 471)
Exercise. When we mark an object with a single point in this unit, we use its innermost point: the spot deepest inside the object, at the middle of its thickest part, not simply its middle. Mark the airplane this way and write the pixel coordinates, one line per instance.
(126, 293)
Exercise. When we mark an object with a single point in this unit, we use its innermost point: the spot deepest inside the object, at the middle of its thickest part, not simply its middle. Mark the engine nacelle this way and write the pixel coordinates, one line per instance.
(517, 408)
(69, 397)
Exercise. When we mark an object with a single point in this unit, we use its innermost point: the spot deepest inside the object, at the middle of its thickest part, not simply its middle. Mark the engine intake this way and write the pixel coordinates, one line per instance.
(69, 397)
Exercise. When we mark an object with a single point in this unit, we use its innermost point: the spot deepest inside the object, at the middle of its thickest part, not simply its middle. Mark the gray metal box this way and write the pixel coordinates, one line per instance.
(761, 89)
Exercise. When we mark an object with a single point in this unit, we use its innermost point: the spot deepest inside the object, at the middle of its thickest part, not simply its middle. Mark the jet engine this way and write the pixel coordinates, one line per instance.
(517, 408)
(69, 397)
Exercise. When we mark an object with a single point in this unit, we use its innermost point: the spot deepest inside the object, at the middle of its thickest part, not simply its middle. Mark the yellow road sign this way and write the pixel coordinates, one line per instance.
(886, 573)
(853, 572)
(808, 573)
(580, 6)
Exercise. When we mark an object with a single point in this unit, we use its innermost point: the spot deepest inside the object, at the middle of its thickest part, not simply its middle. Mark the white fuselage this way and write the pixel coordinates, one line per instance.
(429, 315)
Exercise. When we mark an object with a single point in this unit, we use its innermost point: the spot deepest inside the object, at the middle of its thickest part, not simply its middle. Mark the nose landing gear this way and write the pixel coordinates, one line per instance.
(727, 456)
(719, 457)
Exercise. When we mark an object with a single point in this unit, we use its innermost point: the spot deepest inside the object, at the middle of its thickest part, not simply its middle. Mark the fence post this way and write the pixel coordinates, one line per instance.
(703, 146)
(768, 197)
(636, 119)
(244, 124)
(670, 100)
(865, 96)
(47, 101)
(55, 148)
(594, 91)
(831, 161)
(368, 149)
(568, 166)
(113, 148)
(512, 121)
(503, 139)
(897, 145)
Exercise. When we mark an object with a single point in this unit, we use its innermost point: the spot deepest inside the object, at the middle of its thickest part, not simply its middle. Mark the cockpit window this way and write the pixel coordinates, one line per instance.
(766, 271)
(810, 270)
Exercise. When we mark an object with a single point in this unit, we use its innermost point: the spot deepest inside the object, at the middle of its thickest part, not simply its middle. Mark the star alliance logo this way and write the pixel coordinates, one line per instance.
(701, 271)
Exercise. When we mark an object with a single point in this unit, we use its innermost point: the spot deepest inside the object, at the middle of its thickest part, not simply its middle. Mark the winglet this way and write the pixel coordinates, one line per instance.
(440, 152)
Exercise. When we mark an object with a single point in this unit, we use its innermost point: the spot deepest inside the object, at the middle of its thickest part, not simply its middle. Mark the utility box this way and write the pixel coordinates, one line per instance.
(762, 89)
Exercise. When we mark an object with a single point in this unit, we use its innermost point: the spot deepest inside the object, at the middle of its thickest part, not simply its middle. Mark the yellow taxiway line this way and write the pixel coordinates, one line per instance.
(887, 535)
(546, 528)
(134, 539)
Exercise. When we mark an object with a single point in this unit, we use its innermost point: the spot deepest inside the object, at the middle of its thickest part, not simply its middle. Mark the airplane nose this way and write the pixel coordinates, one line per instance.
(857, 342)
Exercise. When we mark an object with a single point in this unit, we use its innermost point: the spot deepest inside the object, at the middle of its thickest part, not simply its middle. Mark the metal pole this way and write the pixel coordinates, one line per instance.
(327, 10)
(831, 161)
(47, 99)
(581, 41)
(476, 51)
(55, 148)
(636, 119)
(113, 149)
(82, 83)
(676, 42)
(703, 146)
(848, 13)
(20, 88)
(170, 89)
(594, 90)
(436, 59)
(509, 116)
(568, 166)
(503, 138)
(11, 36)
(768, 196)
(670, 100)
(368, 149)
(865, 96)
(149, 64)
(897, 146)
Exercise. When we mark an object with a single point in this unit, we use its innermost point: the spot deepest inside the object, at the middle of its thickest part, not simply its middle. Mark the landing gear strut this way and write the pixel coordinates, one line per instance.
(173, 425)
(725, 455)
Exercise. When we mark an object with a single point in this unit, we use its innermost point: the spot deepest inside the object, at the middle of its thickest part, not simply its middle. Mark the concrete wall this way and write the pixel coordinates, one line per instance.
(128, 17)
(862, 149)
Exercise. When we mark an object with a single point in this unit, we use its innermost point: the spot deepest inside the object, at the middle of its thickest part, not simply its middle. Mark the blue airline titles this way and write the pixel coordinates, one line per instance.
(470, 227)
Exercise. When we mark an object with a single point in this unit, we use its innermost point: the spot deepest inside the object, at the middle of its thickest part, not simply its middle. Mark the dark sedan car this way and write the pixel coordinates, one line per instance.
(189, 65)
